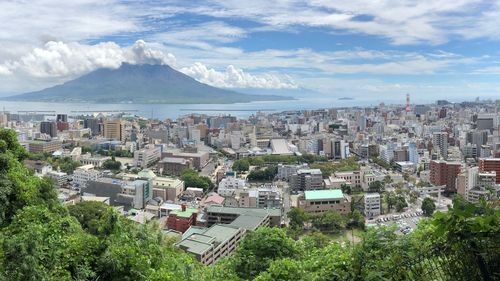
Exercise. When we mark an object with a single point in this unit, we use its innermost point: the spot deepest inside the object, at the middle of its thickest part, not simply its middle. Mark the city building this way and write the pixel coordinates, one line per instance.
(306, 179)
(113, 129)
(210, 245)
(490, 165)
(319, 201)
(174, 166)
(372, 205)
(146, 157)
(85, 173)
(445, 173)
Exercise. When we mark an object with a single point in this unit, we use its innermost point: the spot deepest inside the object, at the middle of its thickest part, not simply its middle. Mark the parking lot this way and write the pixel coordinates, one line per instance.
(405, 222)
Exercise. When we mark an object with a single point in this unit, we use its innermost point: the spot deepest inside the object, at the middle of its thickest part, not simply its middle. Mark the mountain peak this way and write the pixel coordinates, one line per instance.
(138, 83)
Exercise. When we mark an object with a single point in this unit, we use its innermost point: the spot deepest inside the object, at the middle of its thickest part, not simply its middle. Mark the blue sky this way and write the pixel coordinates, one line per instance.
(365, 49)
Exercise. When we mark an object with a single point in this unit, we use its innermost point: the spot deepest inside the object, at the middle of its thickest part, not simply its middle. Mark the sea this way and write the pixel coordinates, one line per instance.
(163, 111)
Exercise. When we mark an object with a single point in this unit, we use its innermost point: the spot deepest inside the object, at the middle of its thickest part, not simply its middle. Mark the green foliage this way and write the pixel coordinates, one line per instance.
(298, 217)
(66, 164)
(330, 221)
(112, 164)
(376, 186)
(328, 168)
(257, 251)
(241, 165)
(381, 163)
(191, 178)
(346, 188)
(95, 218)
(45, 245)
(428, 206)
(266, 174)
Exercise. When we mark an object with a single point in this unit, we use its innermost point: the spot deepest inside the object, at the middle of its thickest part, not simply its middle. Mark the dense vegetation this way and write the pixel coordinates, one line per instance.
(344, 165)
(65, 164)
(191, 178)
(40, 239)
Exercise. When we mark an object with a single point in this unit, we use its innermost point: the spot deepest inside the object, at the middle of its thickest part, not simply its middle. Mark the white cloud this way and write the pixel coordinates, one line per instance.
(234, 77)
(401, 21)
(56, 62)
(59, 59)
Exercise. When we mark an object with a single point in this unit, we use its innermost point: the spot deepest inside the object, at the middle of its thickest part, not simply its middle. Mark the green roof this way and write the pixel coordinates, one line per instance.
(324, 194)
(184, 214)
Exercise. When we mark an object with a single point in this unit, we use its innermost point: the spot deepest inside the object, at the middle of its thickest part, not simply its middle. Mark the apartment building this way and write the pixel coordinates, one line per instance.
(306, 179)
(372, 205)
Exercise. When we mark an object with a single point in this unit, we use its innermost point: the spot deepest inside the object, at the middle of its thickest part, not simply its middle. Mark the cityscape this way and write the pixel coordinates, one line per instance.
(121, 161)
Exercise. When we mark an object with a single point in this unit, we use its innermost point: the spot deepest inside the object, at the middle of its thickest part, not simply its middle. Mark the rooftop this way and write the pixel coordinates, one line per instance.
(323, 194)
(184, 214)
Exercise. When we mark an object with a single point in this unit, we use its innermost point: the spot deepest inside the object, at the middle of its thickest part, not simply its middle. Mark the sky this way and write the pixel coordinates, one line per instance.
(359, 48)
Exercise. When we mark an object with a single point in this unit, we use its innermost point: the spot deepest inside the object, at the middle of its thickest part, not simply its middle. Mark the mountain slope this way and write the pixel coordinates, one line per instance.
(138, 84)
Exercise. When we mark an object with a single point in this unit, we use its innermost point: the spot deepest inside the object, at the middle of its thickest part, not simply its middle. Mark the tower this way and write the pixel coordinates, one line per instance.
(408, 108)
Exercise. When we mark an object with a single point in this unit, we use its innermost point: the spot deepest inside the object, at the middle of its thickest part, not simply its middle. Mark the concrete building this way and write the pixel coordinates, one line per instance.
(210, 245)
(319, 201)
(198, 158)
(251, 216)
(85, 173)
(372, 205)
(146, 157)
(44, 146)
(113, 129)
(445, 173)
(60, 178)
(174, 166)
(49, 128)
(440, 143)
(96, 160)
(286, 171)
(167, 188)
(306, 179)
(490, 165)
(181, 220)
(130, 194)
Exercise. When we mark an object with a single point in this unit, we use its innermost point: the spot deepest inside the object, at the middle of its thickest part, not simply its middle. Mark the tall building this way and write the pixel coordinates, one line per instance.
(485, 122)
(93, 124)
(445, 173)
(307, 179)
(49, 128)
(113, 129)
(490, 165)
(440, 143)
(62, 118)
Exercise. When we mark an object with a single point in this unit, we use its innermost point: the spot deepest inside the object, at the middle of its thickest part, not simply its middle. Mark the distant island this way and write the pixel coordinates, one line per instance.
(145, 83)
(346, 98)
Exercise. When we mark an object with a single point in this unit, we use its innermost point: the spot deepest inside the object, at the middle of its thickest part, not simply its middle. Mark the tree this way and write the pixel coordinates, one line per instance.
(414, 196)
(297, 218)
(400, 203)
(376, 186)
(428, 206)
(95, 218)
(388, 179)
(390, 198)
(44, 245)
(112, 164)
(356, 220)
(329, 221)
(191, 178)
(256, 252)
(346, 188)
(241, 165)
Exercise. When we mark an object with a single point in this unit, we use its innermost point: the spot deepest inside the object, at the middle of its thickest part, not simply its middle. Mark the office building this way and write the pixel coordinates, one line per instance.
(49, 128)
